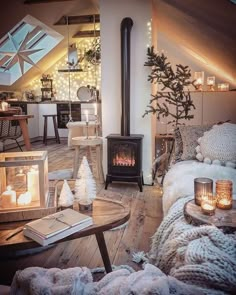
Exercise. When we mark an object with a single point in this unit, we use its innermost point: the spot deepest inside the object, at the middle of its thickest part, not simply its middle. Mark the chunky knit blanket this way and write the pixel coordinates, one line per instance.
(203, 256)
(78, 281)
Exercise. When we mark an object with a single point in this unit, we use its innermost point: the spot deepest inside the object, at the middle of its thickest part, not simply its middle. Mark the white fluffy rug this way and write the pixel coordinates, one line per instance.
(179, 180)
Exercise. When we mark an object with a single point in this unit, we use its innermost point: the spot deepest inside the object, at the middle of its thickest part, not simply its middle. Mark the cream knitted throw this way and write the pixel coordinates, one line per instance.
(202, 256)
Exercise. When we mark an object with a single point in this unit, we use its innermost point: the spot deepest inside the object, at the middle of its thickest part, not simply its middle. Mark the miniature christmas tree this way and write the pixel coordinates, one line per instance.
(85, 186)
(66, 198)
(175, 85)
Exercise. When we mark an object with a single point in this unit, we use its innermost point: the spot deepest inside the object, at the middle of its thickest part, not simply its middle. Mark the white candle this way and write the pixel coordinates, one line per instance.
(8, 198)
(95, 109)
(24, 199)
(86, 115)
(21, 177)
(224, 202)
(33, 184)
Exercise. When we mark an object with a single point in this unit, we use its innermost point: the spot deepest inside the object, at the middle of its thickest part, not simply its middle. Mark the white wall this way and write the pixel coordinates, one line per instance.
(112, 12)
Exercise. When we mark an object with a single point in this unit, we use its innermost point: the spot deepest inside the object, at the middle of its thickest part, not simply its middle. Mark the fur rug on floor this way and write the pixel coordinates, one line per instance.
(78, 281)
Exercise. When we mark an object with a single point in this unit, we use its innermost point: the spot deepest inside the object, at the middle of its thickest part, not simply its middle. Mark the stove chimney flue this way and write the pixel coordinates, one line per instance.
(126, 26)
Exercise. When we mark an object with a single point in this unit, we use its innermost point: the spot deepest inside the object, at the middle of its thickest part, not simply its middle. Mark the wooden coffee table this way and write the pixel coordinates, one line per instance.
(106, 215)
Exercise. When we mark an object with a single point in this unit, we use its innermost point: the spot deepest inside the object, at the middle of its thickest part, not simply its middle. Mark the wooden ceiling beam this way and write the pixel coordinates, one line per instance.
(43, 1)
(86, 34)
(78, 19)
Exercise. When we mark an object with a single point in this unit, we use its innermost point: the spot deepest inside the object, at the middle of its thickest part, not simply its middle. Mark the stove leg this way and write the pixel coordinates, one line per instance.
(140, 183)
(108, 180)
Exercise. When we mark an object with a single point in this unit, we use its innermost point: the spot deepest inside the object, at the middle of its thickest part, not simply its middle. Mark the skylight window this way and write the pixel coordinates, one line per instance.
(21, 48)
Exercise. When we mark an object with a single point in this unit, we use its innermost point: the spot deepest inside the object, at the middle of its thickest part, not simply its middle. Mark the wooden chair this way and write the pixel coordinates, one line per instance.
(11, 130)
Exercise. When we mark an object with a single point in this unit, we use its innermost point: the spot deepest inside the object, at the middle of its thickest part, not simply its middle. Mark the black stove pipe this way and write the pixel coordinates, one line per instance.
(126, 26)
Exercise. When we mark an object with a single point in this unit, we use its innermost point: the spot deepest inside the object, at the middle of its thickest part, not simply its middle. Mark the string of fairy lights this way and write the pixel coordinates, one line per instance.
(90, 75)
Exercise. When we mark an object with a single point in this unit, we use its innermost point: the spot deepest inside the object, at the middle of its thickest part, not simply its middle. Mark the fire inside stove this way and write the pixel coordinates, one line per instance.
(123, 155)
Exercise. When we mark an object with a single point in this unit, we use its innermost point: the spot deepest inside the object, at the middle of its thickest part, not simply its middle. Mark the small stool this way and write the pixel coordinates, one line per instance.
(45, 132)
(92, 141)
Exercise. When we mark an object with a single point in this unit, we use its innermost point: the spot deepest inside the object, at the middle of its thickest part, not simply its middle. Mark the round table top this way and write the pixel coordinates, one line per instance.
(106, 214)
(83, 140)
(225, 219)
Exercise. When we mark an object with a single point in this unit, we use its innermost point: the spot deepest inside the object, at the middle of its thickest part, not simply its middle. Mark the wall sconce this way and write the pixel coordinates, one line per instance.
(211, 83)
(202, 187)
(208, 204)
(223, 86)
(199, 80)
(224, 191)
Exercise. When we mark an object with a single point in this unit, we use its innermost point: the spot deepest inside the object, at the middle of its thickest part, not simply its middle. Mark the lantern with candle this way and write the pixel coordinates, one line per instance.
(224, 193)
(199, 80)
(211, 82)
(23, 184)
(208, 204)
(203, 186)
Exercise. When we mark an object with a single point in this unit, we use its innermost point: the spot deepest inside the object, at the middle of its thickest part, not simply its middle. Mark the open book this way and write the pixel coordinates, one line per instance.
(56, 226)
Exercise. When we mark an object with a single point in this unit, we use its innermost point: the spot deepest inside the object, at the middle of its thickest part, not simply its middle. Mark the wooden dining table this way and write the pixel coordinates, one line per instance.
(22, 119)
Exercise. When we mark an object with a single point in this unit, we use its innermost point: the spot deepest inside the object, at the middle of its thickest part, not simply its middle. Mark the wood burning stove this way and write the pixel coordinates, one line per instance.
(124, 159)
(124, 151)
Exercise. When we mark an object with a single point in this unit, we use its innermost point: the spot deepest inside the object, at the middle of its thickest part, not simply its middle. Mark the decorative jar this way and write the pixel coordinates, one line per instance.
(224, 193)
(202, 187)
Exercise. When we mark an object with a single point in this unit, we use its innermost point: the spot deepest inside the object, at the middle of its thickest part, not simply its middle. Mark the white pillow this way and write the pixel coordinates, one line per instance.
(218, 145)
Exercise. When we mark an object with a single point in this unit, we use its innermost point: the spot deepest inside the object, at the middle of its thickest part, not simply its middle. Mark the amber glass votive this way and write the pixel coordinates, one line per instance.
(224, 193)
(202, 187)
(208, 204)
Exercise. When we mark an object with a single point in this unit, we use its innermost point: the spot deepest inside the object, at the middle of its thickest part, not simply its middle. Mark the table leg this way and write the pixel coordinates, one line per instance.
(24, 128)
(103, 250)
(76, 162)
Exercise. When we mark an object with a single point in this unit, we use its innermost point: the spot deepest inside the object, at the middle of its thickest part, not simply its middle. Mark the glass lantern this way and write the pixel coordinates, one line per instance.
(23, 180)
(211, 83)
(199, 80)
(224, 193)
(208, 204)
(202, 187)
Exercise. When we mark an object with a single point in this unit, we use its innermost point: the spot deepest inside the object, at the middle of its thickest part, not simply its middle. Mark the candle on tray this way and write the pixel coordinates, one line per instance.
(95, 109)
(86, 115)
(8, 198)
(224, 191)
(21, 177)
(24, 199)
(33, 183)
(208, 205)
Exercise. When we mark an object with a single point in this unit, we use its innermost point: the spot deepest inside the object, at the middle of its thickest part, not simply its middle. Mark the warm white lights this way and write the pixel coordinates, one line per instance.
(77, 79)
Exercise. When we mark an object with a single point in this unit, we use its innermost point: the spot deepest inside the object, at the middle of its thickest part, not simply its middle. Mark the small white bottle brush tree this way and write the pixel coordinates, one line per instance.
(85, 185)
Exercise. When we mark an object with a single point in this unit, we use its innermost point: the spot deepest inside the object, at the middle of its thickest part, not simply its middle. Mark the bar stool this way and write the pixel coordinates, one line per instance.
(92, 141)
(45, 132)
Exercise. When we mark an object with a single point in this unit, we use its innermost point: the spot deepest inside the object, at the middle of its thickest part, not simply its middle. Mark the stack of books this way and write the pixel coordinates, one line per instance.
(56, 226)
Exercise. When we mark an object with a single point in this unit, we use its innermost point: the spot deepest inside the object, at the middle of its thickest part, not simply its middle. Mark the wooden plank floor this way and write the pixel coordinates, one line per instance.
(146, 215)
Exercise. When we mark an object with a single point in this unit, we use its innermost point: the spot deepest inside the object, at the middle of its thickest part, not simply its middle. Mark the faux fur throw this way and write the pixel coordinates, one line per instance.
(78, 281)
(179, 180)
(202, 256)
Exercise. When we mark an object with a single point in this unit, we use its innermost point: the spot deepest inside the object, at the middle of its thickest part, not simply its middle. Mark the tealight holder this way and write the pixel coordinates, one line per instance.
(211, 83)
(202, 187)
(208, 204)
(224, 193)
(223, 86)
(199, 80)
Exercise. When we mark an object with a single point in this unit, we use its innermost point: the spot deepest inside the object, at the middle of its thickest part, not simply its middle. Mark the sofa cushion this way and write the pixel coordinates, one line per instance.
(186, 141)
(218, 145)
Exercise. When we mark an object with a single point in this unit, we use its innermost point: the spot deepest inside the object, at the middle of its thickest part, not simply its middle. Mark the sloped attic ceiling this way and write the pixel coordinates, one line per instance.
(206, 29)
(48, 12)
